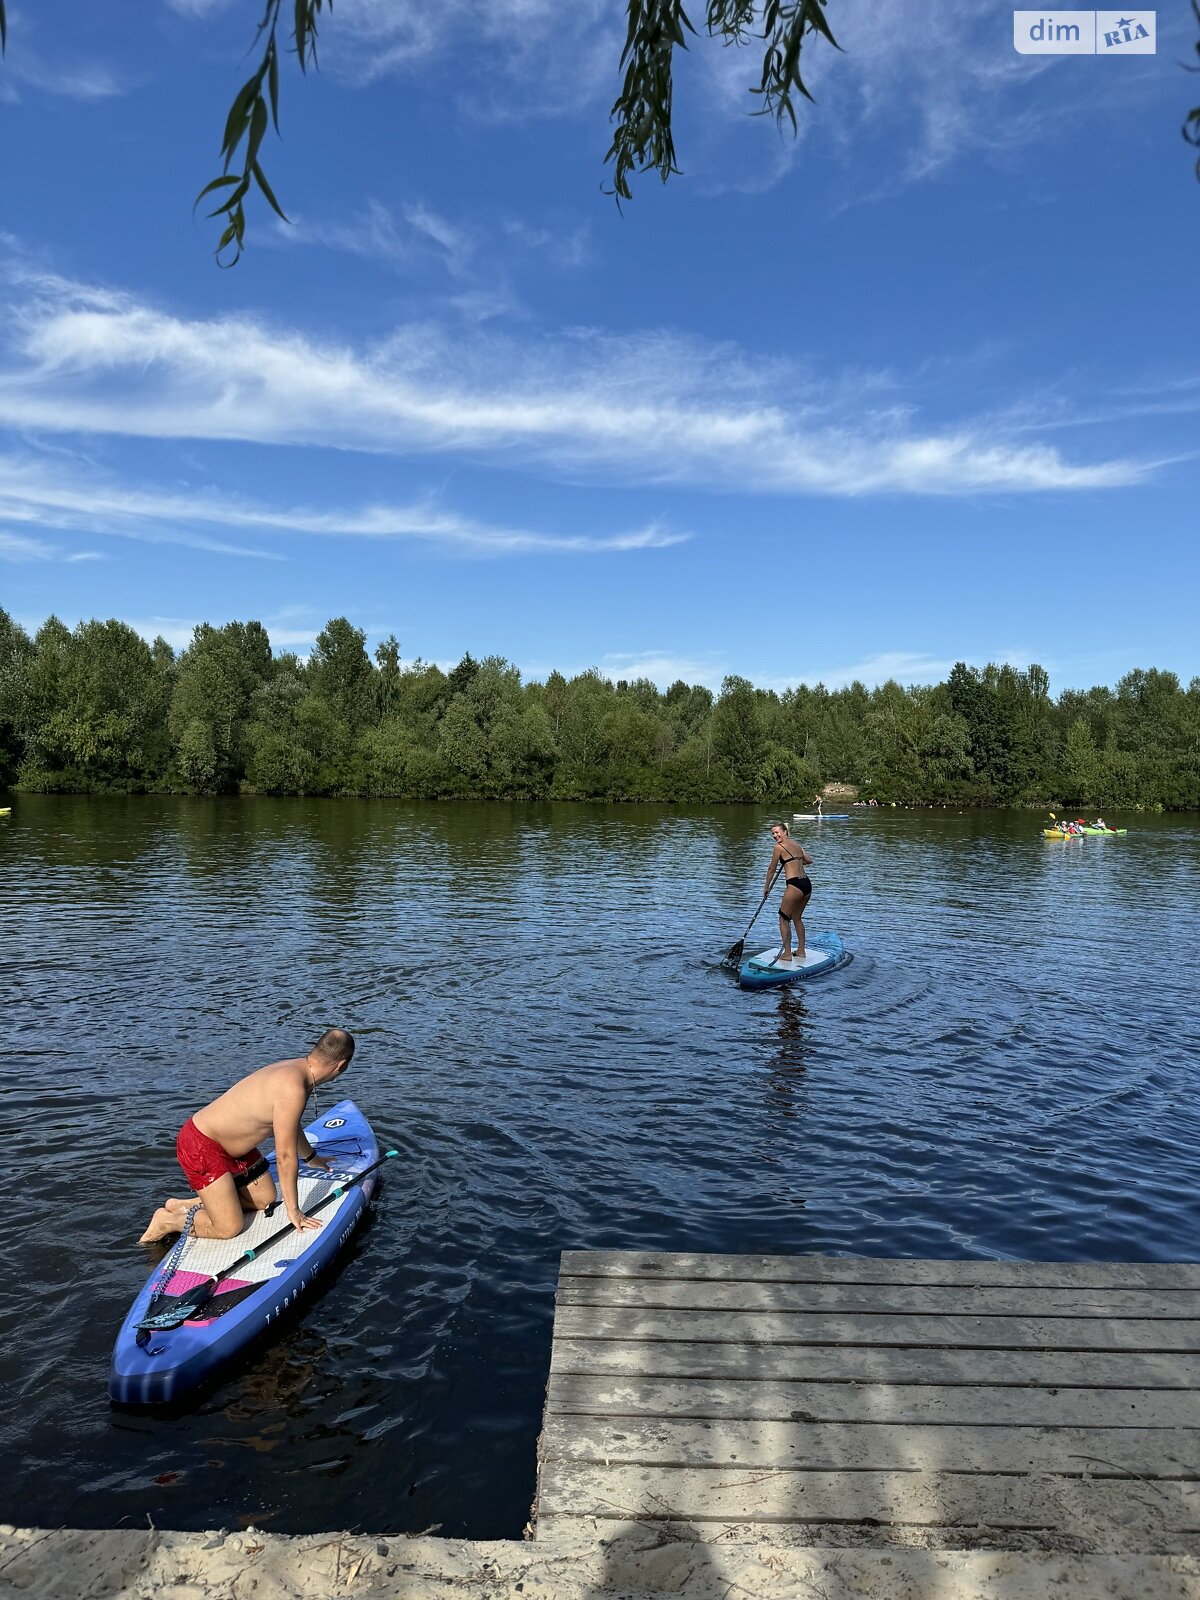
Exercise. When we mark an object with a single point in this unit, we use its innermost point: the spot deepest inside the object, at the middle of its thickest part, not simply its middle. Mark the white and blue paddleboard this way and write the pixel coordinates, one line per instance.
(822, 953)
(152, 1368)
(820, 816)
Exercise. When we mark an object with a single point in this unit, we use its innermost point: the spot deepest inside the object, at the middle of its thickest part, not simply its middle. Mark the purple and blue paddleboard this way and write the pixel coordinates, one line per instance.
(164, 1365)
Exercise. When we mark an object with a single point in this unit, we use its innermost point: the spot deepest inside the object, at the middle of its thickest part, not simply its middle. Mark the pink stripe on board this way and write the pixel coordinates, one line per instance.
(181, 1282)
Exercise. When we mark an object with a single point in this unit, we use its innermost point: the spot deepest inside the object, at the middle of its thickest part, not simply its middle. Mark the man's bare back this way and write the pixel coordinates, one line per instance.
(218, 1147)
(244, 1116)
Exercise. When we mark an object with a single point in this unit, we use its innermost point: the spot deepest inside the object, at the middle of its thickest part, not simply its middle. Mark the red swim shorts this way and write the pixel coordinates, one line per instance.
(204, 1161)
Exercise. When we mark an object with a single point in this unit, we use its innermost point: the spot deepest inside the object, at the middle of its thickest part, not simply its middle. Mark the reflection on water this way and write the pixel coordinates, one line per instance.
(1006, 1068)
(788, 1060)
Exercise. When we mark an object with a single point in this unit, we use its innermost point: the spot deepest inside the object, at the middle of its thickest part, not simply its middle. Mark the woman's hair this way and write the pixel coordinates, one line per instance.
(782, 825)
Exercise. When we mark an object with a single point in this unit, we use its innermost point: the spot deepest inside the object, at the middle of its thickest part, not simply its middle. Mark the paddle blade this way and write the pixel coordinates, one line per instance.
(734, 954)
(170, 1310)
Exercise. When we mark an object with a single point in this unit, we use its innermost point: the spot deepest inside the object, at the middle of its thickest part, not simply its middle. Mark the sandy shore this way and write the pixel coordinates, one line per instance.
(632, 1562)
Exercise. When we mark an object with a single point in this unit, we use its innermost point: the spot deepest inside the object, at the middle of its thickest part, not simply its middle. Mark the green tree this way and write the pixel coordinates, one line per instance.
(784, 776)
(739, 742)
(387, 682)
(217, 678)
(341, 674)
(16, 651)
(100, 707)
(1081, 765)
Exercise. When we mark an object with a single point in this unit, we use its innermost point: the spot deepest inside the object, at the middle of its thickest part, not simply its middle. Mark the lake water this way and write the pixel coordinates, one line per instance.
(1007, 1068)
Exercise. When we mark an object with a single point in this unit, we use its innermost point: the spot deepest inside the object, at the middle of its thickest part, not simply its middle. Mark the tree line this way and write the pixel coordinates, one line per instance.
(95, 709)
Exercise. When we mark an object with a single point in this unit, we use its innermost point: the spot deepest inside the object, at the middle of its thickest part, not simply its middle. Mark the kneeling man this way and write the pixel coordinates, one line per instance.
(218, 1147)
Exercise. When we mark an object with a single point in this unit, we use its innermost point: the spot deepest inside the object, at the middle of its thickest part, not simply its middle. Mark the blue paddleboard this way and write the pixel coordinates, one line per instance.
(169, 1363)
(822, 953)
(820, 816)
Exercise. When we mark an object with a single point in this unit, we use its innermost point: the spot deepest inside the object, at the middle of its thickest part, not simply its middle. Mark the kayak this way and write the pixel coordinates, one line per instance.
(5, 811)
(1085, 833)
(820, 816)
(822, 953)
(151, 1368)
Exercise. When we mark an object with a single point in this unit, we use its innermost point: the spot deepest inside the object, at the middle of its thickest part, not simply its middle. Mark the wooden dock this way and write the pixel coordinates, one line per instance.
(827, 1400)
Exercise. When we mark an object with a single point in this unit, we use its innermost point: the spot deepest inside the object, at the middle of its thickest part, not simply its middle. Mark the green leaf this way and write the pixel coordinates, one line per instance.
(235, 199)
(301, 31)
(217, 183)
(273, 83)
(258, 127)
(260, 179)
(239, 115)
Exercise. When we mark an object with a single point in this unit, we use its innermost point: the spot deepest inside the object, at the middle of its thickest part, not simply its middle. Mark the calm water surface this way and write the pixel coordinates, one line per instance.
(1008, 1068)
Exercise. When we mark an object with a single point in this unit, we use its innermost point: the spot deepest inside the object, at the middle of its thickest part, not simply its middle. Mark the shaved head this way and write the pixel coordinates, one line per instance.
(334, 1045)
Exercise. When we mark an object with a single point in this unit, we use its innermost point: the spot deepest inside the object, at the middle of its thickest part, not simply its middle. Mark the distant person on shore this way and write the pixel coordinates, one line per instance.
(794, 859)
(218, 1147)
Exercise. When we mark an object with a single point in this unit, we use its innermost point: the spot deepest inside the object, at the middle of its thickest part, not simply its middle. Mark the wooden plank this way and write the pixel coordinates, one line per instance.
(852, 1269)
(1049, 1369)
(803, 1328)
(727, 1494)
(1148, 1453)
(848, 1402)
(932, 1299)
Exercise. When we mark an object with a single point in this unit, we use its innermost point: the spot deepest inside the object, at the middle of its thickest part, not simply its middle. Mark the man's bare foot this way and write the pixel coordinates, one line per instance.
(161, 1224)
(180, 1205)
(784, 955)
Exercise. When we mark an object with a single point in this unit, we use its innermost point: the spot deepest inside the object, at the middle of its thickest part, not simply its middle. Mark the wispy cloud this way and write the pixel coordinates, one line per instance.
(416, 238)
(653, 409)
(31, 496)
(905, 666)
(663, 668)
(16, 547)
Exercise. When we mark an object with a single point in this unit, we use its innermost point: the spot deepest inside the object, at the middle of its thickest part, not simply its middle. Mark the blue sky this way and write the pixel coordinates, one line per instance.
(921, 385)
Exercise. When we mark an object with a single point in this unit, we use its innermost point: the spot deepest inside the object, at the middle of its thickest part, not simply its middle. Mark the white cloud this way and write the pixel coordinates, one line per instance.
(14, 547)
(905, 667)
(663, 668)
(93, 504)
(648, 409)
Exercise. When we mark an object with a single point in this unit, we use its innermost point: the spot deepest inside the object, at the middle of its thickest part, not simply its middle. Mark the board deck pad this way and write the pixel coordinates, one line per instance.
(813, 956)
(824, 952)
(202, 1258)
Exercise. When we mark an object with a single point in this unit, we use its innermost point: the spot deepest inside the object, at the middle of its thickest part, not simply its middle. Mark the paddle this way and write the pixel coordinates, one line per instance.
(184, 1306)
(735, 950)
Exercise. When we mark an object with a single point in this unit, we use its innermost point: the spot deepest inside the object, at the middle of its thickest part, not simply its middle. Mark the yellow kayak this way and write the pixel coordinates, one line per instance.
(5, 811)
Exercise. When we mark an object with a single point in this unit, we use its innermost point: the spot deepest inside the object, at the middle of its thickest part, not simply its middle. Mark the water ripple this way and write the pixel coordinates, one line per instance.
(1007, 1068)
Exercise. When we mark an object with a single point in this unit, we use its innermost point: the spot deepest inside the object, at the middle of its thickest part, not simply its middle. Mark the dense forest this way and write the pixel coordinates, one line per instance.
(97, 709)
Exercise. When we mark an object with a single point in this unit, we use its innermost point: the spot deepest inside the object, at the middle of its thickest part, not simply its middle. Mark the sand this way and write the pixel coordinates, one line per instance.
(631, 1562)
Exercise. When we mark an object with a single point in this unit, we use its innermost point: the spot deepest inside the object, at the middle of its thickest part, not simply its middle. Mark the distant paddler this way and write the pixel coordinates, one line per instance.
(218, 1147)
(794, 859)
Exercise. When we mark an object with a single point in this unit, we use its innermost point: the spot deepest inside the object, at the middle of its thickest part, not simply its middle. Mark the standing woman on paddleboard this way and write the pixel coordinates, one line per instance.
(795, 861)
